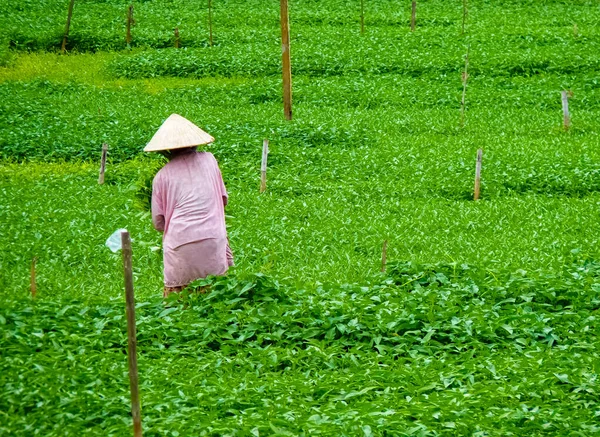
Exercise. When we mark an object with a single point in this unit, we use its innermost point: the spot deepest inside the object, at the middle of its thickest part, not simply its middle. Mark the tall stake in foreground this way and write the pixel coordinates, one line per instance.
(33, 281)
(177, 37)
(210, 32)
(413, 16)
(263, 166)
(102, 163)
(384, 255)
(478, 175)
(131, 335)
(465, 78)
(565, 107)
(286, 61)
(66, 36)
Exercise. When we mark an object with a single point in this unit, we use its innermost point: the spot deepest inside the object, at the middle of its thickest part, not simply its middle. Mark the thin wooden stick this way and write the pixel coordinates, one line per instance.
(176, 37)
(68, 25)
(33, 281)
(565, 107)
(131, 335)
(362, 16)
(413, 16)
(478, 174)
(465, 13)
(263, 166)
(286, 60)
(103, 163)
(465, 78)
(384, 255)
(210, 27)
(129, 24)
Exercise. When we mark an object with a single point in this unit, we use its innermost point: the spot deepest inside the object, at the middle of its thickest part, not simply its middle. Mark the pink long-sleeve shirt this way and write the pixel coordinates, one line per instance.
(188, 199)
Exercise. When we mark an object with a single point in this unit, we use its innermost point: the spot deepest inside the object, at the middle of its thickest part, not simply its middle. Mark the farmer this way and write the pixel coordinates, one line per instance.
(188, 200)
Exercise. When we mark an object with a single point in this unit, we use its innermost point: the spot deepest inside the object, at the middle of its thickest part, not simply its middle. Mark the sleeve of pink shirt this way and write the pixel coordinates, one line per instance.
(158, 212)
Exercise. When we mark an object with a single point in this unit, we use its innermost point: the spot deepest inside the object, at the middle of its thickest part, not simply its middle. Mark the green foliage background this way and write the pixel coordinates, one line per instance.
(486, 322)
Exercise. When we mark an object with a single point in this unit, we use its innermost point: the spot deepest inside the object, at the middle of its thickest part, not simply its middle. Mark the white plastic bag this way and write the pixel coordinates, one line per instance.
(114, 241)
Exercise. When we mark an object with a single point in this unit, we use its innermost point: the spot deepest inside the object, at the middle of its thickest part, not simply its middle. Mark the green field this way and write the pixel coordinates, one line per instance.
(486, 320)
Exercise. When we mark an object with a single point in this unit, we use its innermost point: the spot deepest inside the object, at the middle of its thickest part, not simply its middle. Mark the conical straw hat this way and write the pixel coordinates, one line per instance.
(176, 133)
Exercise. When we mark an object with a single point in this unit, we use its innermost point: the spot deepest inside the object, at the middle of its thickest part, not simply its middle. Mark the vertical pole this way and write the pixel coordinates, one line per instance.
(465, 13)
(176, 37)
(575, 30)
(465, 78)
(103, 163)
(210, 29)
(69, 15)
(362, 16)
(33, 281)
(263, 166)
(413, 16)
(565, 107)
(129, 23)
(286, 61)
(384, 255)
(131, 335)
(478, 174)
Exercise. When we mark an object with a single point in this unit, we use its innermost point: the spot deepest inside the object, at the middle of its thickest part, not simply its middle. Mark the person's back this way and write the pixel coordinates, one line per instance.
(189, 193)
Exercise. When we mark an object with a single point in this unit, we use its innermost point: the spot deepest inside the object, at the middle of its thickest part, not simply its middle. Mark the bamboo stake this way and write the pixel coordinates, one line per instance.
(263, 166)
(565, 107)
(210, 29)
(130, 22)
(68, 25)
(384, 255)
(33, 281)
(176, 37)
(478, 174)
(286, 61)
(362, 16)
(103, 163)
(465, 78)
(465, 13)
(413, 16)
(131, 335)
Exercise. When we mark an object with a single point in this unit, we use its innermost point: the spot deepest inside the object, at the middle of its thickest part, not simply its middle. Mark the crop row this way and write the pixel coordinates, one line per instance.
(346, 131)
(311, 228)
(377, 54)
(431, 348)
(101, 25)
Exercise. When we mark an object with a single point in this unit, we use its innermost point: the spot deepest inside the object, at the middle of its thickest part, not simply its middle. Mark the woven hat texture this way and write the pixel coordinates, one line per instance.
(177, 132)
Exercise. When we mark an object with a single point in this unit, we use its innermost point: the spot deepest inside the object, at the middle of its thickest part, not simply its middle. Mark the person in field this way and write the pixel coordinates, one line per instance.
(188, 205)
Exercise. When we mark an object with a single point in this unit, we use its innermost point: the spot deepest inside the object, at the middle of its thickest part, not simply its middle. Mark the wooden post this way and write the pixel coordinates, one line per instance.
(103, 163)
(286, 61)
(33, 281)
(362, 16)
(176, 37)
(565, 107)
(478, 174)
(413, 16)
(66, 35)
(465, 13)
(130, 22)
(131, 334)
(263, 166)
(465, 78)
(210, 29)
(384, 255)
